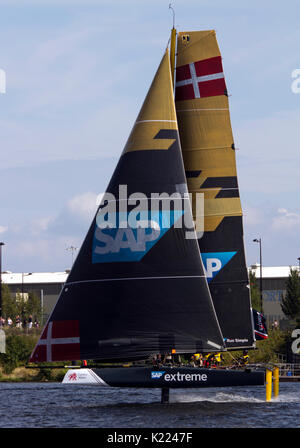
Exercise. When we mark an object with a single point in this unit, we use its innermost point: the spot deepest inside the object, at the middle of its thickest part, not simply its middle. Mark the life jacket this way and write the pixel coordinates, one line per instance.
(246, 358)
(218, 357)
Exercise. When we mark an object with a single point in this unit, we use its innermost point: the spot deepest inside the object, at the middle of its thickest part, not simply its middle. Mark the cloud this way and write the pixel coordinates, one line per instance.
(84, 205)
(286, 221)
(41, 243)
(268, 160)
(3, 229)
(52, 253)
(39, 225)
(253, 216)
(73, 219)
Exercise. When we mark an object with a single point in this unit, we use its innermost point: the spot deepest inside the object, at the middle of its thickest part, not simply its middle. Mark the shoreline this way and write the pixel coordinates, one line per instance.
(27, 375)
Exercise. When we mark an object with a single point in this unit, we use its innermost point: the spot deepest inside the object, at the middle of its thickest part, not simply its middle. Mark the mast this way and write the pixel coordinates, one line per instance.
(172, 46)
(172, 53)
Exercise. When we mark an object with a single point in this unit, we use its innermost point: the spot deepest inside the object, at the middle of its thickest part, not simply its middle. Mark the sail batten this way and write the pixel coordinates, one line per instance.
(115, 279)
(154, 121)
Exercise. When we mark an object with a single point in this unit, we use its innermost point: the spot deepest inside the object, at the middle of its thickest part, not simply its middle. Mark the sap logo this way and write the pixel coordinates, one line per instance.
(125, 243)
(214, 261)
(157, 375)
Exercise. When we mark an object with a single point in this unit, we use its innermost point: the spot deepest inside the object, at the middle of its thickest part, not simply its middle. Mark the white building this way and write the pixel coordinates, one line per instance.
(47, 285)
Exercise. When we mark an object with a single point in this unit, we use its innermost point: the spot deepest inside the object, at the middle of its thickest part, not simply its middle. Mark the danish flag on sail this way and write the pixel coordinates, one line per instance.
(200, 79)
(59, 342)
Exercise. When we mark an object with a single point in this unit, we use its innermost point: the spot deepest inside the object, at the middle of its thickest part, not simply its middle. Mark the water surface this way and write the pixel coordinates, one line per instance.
(56, 405)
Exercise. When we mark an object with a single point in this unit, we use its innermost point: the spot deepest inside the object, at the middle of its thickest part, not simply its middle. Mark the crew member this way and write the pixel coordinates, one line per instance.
(209, 359)
(197, 359)
(245, 357)
(218, 358)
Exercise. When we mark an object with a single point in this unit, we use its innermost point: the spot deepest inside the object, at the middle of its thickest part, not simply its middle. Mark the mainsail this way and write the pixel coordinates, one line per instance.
(209, 159)
(134, 291)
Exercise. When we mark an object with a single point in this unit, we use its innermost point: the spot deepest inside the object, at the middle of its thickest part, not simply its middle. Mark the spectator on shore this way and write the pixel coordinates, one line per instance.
(18, 322)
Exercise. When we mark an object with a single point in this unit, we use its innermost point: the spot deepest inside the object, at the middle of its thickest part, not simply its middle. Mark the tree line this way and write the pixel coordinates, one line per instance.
(291, 302)
(23, 305)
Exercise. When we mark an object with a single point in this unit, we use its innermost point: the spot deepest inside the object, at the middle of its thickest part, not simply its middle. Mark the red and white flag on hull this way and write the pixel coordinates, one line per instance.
(200, 79)
(59, 341)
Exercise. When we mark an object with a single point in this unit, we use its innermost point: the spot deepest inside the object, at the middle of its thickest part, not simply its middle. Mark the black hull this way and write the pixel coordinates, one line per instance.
(166, 377)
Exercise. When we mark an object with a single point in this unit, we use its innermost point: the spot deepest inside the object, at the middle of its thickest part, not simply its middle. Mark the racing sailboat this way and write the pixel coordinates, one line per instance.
(139, 287)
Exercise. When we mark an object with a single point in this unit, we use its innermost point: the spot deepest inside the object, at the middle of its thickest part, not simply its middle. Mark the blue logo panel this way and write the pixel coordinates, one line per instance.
(214, 262)
(157, 375)
(123, 242)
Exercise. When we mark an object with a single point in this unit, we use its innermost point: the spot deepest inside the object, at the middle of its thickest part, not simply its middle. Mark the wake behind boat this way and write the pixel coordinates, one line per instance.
(149, 280)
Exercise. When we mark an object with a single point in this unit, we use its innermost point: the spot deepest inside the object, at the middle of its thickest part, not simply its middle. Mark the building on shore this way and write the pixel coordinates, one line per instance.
(47, 286)
(273, 291)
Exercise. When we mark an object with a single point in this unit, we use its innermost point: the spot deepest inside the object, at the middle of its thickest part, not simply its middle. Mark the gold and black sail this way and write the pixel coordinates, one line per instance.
(138, 286)
(209, 158)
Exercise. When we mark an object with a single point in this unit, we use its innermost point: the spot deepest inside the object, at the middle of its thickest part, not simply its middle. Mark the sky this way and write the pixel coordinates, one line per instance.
(77, 73)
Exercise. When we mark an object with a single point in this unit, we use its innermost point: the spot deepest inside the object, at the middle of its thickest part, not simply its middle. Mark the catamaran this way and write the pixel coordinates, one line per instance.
(156, 273)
